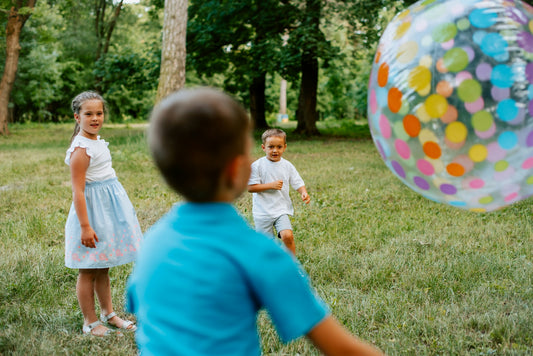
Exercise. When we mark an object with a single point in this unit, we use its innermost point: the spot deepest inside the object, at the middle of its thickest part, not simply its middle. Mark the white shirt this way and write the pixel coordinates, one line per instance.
(274, 203)
(100, 167)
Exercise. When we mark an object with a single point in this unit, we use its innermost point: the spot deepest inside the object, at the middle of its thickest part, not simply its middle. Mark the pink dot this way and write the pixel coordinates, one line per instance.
(449, 44)
(384, 126)
(475, 106)
(495, 152)
(402, 148)
(461, 76)
(486, 134)
(511, 197)
(528, 163)
(425, 167)
(477, 183)
(373, 102)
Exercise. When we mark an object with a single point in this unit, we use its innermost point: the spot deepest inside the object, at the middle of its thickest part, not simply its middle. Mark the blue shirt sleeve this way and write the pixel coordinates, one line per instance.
(284, 290)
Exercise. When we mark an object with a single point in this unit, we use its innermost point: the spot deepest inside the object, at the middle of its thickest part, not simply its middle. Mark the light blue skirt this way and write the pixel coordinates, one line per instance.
(113, 218)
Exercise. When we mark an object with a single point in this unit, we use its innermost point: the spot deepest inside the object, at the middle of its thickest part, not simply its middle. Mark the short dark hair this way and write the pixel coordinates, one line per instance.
(194, 134)
(273, 132)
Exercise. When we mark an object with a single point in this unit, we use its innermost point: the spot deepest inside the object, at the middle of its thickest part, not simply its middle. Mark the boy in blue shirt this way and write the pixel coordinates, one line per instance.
(203, 274)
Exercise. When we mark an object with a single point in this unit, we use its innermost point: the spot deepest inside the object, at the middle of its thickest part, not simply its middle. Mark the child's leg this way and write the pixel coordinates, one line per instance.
(102, 287)
(288, 239)
(284, 229)
(85, 293)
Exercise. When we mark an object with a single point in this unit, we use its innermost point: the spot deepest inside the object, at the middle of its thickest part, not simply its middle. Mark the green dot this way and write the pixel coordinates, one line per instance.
(469, 90)
(530, 180)
(463, 24)
(399, 131)
(501, 166)
(482, 121)
(486, 200)
(455, 60)
(444, 33)
(405, 108)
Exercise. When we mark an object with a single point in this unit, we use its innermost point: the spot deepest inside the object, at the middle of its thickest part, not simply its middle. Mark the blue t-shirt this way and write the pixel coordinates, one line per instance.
(201, 277)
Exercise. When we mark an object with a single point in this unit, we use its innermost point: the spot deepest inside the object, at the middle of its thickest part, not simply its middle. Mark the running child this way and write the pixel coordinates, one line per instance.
(203, 273)
(270, 180)
(102, 229)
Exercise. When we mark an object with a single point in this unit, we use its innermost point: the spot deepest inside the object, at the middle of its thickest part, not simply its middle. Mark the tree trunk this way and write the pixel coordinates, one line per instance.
(257, 101)
(306, 114)
(173, 52)
(15, 22)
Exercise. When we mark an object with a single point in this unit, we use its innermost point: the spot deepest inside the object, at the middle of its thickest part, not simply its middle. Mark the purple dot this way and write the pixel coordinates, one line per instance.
(529, 139)
(398, 169)
(421, 183)
(525, 40)
(499, 94)
(529, 72)
(530, 107)
(484, 70)
(517, 15)
(448, 189)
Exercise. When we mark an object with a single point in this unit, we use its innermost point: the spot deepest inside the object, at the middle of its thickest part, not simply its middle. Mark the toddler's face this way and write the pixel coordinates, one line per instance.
(274, 147)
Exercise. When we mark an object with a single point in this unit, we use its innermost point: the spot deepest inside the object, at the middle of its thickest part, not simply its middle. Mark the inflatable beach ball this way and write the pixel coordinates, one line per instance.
(450, 101)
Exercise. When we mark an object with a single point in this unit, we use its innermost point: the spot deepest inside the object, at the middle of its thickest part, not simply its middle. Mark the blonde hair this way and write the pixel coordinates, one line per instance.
(273, 132)
(77, 103)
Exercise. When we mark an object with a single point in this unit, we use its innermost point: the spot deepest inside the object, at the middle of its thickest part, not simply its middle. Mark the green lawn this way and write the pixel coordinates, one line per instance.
(407, 274)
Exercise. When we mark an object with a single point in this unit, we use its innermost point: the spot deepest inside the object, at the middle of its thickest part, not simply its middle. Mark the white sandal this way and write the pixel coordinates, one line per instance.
(87, 329)
(126, 324)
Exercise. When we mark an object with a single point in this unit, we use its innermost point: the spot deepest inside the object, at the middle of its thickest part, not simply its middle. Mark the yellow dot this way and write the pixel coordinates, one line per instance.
(436, 105)
(478, 153)
(402, 14)
(426, 61)
(402, 29)
(426, 135)
(407, 52)
(456, 132)
(531, 26)
(419, 78)
(422, 114)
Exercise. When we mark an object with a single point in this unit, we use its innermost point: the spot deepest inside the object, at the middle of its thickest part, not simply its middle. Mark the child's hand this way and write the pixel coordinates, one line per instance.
(277, 185)
(88, 237)
(306, 198)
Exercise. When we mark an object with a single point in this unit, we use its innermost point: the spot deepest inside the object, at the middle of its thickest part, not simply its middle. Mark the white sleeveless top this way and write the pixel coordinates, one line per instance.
(100, 167)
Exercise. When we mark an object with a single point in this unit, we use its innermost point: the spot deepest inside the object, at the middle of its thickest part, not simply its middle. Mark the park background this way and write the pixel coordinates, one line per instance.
(410, 275)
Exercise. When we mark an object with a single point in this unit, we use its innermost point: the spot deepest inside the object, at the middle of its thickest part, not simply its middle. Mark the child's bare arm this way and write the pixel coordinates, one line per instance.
(79, 162)
(257, 188)
(303, 193)
(333, 339)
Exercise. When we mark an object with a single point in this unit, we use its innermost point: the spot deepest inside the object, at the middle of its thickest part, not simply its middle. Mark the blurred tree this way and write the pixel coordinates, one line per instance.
(18, 13)
(173, 52)
(241, 39)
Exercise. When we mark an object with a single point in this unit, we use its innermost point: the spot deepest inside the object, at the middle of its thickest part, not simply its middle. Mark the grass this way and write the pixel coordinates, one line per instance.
(407, 274)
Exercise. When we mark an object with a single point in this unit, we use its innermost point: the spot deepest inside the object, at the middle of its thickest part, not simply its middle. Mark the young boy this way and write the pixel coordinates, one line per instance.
(203, 274)
(269, 181)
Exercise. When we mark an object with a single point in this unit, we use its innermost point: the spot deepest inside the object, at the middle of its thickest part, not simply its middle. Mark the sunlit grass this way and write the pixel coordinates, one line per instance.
(410, 275)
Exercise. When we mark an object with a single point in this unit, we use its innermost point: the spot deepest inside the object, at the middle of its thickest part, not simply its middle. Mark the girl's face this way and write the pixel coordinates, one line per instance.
(90, 118)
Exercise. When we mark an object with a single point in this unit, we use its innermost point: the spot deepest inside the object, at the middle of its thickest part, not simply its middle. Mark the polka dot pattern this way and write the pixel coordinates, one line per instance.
(450, 101)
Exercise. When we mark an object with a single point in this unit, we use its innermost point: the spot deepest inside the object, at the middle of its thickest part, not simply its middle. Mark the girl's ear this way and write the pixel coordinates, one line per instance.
(77, 118)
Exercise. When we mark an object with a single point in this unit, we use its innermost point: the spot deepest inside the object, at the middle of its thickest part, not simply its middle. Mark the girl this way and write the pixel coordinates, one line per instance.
(102, 229)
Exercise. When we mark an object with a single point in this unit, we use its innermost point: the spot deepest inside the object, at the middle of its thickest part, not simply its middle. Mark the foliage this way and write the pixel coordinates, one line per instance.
(412, 276)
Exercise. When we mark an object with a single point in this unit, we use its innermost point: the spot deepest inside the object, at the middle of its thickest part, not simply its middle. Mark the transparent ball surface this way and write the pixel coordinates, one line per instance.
(450, 101)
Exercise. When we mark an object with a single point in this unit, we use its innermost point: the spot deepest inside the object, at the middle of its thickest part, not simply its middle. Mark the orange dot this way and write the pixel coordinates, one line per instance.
(411, 124)
(444, 88)
(432, 149)
(450, 115)
(383, 74)
(378, 56)
(455, 169)
(395, 100)
(440, 66)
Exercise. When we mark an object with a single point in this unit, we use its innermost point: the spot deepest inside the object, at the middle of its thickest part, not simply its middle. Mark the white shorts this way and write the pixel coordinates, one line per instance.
(266, 224)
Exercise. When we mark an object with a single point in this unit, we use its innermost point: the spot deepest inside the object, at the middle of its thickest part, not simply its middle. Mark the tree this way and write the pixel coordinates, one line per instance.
(241, 39)
(19, 12)
(173, 52)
